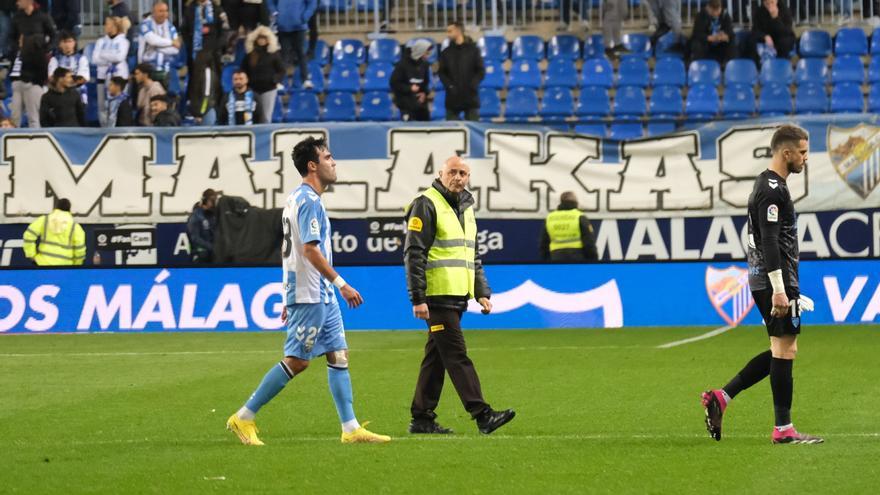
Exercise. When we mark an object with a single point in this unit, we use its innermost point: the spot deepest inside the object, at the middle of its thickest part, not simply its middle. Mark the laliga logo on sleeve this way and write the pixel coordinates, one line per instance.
(605, 297)
(728, 291)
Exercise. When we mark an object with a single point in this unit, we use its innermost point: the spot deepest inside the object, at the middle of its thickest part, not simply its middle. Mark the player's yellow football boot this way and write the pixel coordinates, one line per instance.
(363, 435)
(244, 429)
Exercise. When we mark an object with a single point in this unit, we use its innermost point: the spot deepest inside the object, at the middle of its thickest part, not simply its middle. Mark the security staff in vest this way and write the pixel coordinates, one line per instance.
(55, 239)
(568, 235)
(442, 274)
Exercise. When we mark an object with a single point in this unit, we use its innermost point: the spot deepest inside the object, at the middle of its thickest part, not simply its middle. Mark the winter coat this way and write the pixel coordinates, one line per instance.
(38, 22)
(461, 70)
(406, 73)
(168, 118)
(262, 65)
(703, 26)
(213, 40)
(31, 65)
(293, 15)
(62, 109)
(764, 25)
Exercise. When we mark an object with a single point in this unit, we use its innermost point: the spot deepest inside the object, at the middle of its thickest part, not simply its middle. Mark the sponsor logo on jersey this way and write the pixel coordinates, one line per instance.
(728, 291)
(855, 154)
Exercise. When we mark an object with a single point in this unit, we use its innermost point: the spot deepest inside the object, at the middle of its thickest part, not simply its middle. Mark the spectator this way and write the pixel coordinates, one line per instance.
(204, 22)
(111, 59)
(65, 13)
(668, 17)
(568, 234)
(118, 108)
(712, 36)
(29, 74)
(7, 123)
(55, 239)
(118, 8)
(263, 67)
(240, 106)
(68, 57)
(774, 27)
(158, 43)
(292, 18)
(205, 90)
(147, 89)
(7, 10)
(164, 115)
(31, 20)
(410, 82)
(62, 105)
(461, 70)
(613, 12)
(246, 14)
(200, 227)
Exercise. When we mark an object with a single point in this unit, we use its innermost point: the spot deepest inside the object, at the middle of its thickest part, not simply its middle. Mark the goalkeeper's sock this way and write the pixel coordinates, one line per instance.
(272, 383)
(756, 370)
(782, 386)
(340, 388)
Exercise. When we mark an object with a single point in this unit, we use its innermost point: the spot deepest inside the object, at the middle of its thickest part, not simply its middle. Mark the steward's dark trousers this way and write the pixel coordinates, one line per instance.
(445, 351)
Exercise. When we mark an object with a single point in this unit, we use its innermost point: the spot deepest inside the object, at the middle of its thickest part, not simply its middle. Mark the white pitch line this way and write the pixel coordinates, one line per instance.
(707, 335)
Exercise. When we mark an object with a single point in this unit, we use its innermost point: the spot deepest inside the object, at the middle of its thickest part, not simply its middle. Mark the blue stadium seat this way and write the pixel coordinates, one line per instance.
(494, 77)
(383, 50)
(660, 128)
(344, 77)
(874, 99)
(775, 101)
(180, 59)
(740, 71)
(528, 47)
(622, 131)
(349, 51)
(811, 99)
(738, 102)
(875, 41)
(493, 48)
(322, 53)
(815, 44)
(594, 47)
(666, 103)
(376, 106)
(334, 5)
(704, 72)
(490, 104)
(226, 77)
(377, 77)
(595, 130)
(173, 83)
(633, 71)
(524, 73)
(370, 5)
(564, 46)
(340, 107)
(639, 44)
(92, 110)
(438, 106)
(522, 104)
(701, 103)
(597, 72)
(303, 106)
(811, 71)
(629, 103)
(847, 68)
(776, 72)
(561, 73)
(669, 45)
(847, 97)
(278, 111)
(874, 70)
(316, 74)
(445, 4)
(669, 72)
(593, 103)
(557, 104)
(435, 53)
(851, 41)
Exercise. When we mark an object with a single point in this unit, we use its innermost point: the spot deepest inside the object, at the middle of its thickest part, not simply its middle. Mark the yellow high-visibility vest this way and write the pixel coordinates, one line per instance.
(55, 240)
(451, 259)
(564, 229)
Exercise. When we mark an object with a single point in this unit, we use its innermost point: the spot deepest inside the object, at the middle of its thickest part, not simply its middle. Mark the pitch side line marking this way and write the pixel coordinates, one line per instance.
(707, 335)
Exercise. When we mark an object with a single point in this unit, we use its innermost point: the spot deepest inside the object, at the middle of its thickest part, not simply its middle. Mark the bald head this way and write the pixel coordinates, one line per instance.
(455, 174)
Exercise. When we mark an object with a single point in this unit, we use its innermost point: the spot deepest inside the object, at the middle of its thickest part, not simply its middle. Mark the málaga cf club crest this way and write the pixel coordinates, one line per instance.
(855, 154)
(728, 291)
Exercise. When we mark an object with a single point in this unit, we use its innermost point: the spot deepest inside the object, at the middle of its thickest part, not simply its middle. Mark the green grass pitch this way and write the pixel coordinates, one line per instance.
(598, 411)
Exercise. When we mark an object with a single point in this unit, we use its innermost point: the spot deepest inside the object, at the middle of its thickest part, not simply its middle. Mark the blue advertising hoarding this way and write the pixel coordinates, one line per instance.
(524, 296)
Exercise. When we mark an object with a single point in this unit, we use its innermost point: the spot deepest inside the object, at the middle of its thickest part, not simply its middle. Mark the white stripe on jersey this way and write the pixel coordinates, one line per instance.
(304, 217)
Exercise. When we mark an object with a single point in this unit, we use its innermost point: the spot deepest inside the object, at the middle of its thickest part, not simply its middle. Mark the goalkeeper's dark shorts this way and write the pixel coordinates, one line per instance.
(788, 324)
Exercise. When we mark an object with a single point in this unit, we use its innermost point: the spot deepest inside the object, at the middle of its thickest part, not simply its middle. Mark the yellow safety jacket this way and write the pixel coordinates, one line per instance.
(451, 259)
(564, 229)
(55, 240)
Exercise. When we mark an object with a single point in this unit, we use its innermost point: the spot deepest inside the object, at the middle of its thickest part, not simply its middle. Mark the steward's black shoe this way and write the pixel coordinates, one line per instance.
(423, 426)
(490, 420)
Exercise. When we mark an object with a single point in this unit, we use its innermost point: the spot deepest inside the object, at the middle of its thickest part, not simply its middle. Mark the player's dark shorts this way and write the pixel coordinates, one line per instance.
(790, 324)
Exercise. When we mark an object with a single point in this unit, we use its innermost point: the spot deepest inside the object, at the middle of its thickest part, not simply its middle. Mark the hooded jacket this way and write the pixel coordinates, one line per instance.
(406, 73)
(293, 15)
(461, 70)
(62, 109)
(415, 251)
(262, 65)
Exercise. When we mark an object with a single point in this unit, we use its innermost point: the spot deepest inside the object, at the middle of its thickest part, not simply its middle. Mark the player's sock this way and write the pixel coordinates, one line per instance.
(753, 372)
(782, 385)
(340, 388)
(272, 383)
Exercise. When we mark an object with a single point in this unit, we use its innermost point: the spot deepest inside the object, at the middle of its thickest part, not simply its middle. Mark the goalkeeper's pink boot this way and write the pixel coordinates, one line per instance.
(791, 435)
(715, 404)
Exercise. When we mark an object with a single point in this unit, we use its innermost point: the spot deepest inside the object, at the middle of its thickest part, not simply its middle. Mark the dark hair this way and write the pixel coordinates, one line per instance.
(66, 35)
(162, 98)
(306, 151)
(239, 71)
(59, 73)
(62, 204)
(458, 25)
(208, 194)
(119, 81)
(145, 68)
(714, 4)
(786, 135)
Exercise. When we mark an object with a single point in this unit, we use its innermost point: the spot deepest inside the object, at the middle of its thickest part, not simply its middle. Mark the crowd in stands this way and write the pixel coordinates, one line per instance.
(237, 66)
